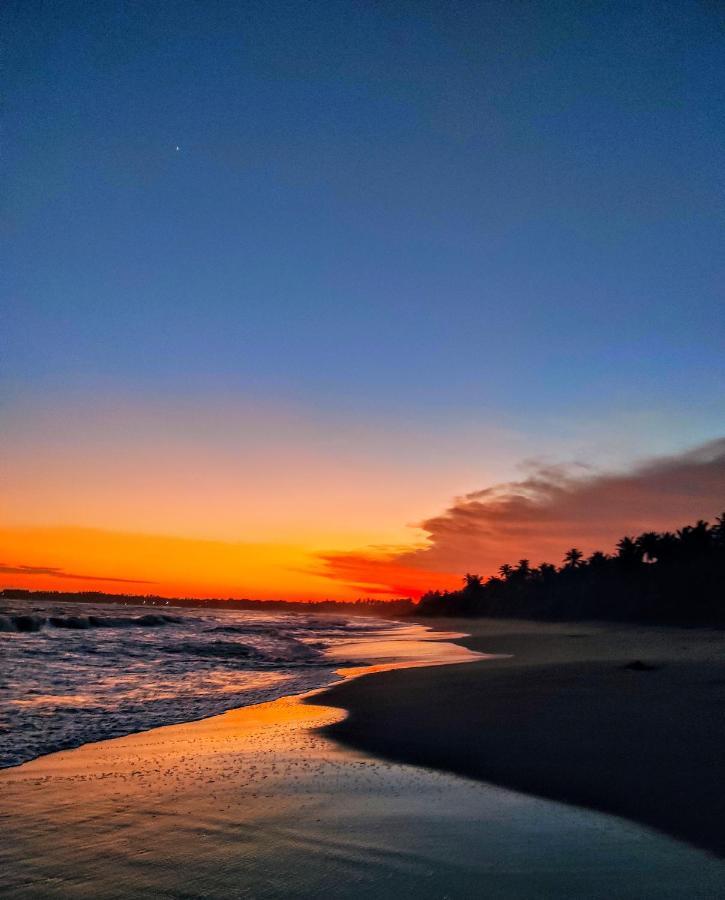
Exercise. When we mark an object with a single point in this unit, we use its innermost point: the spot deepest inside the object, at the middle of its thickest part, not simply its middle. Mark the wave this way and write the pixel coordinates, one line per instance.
(93, 671)
(291, 653)
(29, 623)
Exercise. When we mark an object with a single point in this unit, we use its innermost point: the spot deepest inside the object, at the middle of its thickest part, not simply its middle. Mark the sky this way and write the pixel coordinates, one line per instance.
(291, 291)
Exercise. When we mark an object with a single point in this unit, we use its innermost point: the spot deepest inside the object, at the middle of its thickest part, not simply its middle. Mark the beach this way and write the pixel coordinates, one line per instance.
(566, 712)
(292, 799)
(331, 334)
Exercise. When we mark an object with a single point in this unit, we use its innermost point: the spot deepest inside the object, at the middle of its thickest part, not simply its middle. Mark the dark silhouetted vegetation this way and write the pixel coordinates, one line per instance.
(659, 577)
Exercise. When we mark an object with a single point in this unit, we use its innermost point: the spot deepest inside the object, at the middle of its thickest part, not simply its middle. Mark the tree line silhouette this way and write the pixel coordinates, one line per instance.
(659, 577)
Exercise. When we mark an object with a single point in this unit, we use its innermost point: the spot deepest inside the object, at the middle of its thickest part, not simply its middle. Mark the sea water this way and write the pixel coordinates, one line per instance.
(77, 672)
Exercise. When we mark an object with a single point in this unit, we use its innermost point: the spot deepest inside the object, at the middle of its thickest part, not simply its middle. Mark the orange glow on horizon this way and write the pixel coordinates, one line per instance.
(379, 572)
(86, 559)
(225, 497)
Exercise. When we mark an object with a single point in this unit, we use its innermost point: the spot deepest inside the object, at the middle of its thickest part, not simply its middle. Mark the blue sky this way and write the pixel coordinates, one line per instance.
(380, 215)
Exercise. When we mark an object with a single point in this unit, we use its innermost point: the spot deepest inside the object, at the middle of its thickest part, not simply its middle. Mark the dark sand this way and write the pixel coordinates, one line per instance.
(564, 718)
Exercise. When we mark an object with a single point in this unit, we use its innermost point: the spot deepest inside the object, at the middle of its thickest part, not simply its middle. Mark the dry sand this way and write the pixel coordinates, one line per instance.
(562, 717)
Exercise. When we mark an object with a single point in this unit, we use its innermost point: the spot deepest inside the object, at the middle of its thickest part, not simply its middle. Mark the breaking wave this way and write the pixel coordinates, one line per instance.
(74, 673)
(25, 623)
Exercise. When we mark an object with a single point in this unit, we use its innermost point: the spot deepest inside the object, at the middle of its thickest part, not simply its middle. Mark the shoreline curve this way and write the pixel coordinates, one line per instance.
(561, 713)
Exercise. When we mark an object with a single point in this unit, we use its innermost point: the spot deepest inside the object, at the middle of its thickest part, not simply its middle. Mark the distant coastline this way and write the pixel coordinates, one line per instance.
(364, 607)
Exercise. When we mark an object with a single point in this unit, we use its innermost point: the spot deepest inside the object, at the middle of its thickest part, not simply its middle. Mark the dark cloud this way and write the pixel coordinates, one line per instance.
(543, 514)
(556, 507)
(60, 573)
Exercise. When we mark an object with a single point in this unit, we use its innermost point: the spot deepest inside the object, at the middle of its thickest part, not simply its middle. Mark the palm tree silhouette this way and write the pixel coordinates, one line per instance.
(695, 539)
(628, 551)
(682, 582)
(649, 544)
(597, 559)
(718, 531)
(573, 558)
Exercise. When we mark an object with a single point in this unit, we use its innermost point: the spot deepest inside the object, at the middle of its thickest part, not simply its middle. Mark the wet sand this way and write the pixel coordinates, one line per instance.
(562, 717)
(259, 802)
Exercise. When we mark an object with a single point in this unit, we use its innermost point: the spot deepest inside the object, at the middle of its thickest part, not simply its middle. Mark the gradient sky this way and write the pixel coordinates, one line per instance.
(284, 280)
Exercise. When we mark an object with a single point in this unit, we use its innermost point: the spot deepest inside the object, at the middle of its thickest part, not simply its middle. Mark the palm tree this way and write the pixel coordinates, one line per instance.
(597, 559)
(628, 551)
(472, 582)
(695, 539)
(547, 571)
(649, 544)
(505, 571)
(668, 547)
(718, 531)
(523, 569)
(573, 558)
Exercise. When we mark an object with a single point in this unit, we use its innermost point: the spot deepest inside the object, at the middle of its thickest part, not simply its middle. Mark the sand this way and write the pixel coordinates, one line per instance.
(261, 802)
(563, 717)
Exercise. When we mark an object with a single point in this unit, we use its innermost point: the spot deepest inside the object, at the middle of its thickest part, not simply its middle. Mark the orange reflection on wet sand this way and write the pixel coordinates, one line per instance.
(136, 809)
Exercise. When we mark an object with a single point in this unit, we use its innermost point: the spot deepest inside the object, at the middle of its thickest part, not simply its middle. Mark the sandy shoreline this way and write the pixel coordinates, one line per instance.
(260, 802)
(563, 718)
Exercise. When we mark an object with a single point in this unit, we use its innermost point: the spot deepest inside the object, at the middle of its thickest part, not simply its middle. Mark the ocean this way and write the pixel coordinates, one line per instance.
(71, 673)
